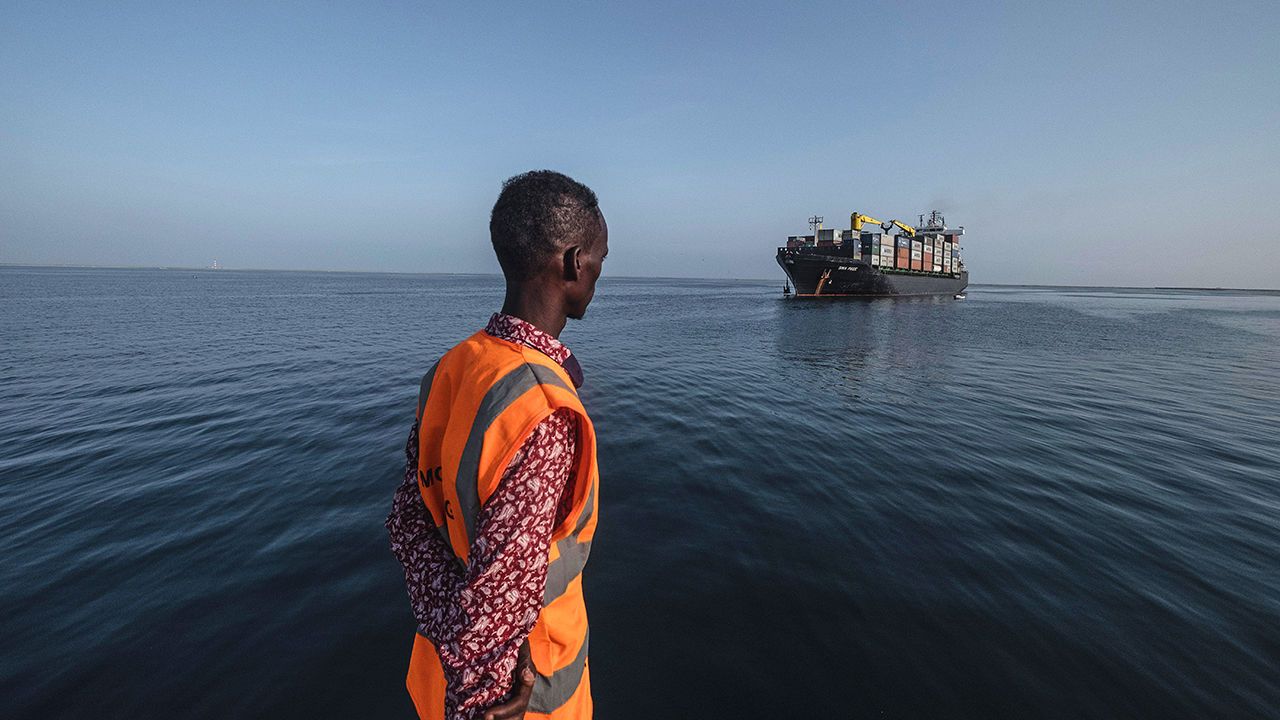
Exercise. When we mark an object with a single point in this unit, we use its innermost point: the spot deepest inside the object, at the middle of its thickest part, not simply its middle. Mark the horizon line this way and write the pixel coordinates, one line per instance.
(185, 268)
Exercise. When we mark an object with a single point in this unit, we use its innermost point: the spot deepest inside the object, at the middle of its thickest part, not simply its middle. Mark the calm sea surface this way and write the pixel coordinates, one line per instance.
(1031, 503)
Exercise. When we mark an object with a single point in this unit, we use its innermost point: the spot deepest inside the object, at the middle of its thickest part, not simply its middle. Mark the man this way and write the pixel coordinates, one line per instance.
(495, 517)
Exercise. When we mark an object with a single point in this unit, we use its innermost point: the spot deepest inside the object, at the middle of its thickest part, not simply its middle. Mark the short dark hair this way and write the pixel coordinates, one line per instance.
(537, 214)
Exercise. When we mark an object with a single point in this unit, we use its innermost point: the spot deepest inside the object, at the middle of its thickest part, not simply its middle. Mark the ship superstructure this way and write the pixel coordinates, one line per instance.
(876, 258)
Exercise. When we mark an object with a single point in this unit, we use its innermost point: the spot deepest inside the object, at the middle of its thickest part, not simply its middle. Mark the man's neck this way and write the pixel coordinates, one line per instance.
(531, 304)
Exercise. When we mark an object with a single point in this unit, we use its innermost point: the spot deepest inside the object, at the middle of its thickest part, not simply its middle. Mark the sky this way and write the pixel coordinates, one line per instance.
(1106, 143)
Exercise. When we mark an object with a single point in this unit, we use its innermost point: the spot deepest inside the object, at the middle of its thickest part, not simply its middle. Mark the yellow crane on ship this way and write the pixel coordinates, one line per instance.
(857, 219)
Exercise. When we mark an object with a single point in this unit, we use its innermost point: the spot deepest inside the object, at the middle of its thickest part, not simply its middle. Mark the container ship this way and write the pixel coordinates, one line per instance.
(897, 260)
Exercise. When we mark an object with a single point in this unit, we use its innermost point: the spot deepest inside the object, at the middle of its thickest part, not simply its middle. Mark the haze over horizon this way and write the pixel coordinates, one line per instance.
(1102, 144)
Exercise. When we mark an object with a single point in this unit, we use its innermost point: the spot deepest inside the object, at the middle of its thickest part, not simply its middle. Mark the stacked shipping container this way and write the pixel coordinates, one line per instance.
(928, 253)
(872, 248)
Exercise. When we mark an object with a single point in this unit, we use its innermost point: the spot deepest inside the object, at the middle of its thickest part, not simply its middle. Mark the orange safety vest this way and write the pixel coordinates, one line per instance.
(475, 410)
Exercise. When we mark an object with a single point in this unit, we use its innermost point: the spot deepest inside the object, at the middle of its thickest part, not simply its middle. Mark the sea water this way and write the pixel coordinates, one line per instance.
(1035, 502)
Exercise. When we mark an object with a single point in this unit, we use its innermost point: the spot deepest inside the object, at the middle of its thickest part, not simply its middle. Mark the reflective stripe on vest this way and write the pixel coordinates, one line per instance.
(550, 693)
(573, 557)
(499, 397)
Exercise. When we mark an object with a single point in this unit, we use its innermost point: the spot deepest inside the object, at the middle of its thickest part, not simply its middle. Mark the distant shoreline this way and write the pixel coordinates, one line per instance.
(620, 277)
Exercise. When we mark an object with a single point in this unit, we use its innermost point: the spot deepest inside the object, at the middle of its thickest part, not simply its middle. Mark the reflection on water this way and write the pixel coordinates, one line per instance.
(882, 342)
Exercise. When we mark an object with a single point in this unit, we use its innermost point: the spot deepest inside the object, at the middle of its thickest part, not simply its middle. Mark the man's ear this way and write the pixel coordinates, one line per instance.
(572, 263)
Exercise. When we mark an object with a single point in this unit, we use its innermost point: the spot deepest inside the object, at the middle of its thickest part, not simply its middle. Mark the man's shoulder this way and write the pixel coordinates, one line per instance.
(480, 349)
(483, 361)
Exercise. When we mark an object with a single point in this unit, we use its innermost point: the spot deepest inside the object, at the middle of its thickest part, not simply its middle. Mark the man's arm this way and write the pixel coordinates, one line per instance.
(478, 618)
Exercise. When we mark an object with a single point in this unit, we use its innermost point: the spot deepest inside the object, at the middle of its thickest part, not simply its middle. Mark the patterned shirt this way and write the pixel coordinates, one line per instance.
(478, 617)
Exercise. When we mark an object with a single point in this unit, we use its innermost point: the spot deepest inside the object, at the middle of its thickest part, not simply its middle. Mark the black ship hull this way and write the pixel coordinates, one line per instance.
(823, 272)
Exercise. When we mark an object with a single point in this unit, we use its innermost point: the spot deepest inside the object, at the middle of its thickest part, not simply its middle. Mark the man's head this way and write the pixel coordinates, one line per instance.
(548, 231)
